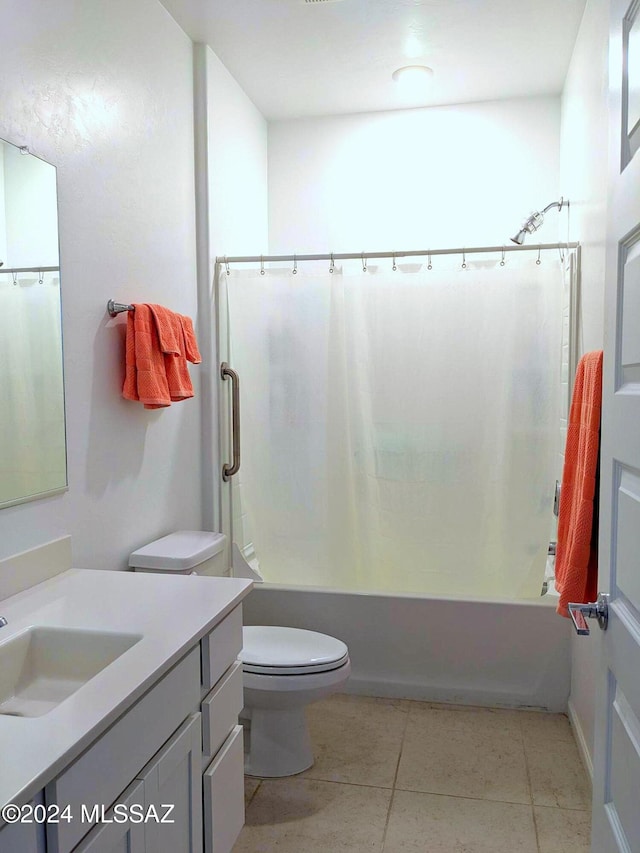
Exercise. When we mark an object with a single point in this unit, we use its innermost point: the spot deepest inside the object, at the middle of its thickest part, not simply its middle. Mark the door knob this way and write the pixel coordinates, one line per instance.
(597, 610)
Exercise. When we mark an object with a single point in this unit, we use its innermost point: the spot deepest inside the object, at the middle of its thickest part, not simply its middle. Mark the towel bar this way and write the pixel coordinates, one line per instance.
(115, 308)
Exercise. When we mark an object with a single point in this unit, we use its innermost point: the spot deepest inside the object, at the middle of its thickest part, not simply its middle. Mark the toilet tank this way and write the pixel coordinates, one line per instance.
(186, 552)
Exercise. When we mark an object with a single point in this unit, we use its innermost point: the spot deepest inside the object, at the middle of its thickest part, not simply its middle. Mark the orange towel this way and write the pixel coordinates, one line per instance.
(577, 548)
(157, 345)
(177, 342)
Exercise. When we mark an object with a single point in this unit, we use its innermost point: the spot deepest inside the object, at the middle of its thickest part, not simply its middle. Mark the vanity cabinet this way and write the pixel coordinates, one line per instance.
(23, 837)
(116, 837)
(139, 787)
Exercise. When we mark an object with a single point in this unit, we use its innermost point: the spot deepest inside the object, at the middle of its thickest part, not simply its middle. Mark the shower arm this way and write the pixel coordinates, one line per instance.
(558, 204)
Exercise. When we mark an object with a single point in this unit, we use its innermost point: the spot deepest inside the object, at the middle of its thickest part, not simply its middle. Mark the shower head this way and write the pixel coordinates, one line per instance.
(535, 220)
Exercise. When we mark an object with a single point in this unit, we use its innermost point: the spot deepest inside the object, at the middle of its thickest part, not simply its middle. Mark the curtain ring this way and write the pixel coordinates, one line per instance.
(15, 278)
(295, 266)
(331, 264)
(429, 265)
(261, 264)
(502, 261)
(226, 263)
(464, 261)
(394, 267)
(561, 253)
(364, 263)
(40, 277)
(538, 262)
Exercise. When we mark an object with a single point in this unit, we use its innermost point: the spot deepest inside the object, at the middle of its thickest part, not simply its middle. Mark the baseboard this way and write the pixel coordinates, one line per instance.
(581, 741)
(389, 689)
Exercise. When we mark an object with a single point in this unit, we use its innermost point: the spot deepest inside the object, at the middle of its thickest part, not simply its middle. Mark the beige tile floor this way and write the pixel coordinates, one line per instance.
(397, 776)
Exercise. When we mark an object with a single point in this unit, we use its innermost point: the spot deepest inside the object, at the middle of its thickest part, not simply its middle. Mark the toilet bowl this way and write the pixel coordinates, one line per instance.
(284, 670)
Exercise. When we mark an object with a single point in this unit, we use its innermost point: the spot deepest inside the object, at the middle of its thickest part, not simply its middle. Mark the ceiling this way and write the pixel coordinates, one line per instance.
(299, 58)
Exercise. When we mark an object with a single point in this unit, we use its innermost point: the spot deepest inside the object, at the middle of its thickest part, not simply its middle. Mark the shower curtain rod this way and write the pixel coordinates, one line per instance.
(11, 270)
(338, 256)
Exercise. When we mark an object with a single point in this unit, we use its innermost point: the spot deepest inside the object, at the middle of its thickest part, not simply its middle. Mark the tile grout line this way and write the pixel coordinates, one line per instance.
(526, 764)
(395, 779)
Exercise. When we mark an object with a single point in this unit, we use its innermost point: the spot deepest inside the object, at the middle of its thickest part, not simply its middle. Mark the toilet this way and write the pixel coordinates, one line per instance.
(284, 669)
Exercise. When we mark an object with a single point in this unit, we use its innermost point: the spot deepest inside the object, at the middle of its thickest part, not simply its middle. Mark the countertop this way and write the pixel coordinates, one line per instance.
(171, 612)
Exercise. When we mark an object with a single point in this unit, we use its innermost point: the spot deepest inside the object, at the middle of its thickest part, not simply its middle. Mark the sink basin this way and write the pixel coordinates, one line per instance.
(41, 667)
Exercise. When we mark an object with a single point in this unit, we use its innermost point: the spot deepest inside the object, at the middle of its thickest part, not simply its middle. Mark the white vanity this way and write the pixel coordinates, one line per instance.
(144, 754)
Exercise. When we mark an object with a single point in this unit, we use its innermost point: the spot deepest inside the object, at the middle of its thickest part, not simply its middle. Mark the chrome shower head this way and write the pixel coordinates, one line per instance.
(535, 220)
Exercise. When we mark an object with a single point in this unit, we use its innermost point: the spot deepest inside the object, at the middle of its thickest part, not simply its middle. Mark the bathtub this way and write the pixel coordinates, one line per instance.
(474, 652)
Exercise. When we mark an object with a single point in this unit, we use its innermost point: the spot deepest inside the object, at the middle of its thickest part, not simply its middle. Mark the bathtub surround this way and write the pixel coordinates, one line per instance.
(493, 653)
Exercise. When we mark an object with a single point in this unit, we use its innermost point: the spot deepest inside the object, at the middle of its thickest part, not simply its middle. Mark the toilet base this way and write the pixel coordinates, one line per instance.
(279, 743)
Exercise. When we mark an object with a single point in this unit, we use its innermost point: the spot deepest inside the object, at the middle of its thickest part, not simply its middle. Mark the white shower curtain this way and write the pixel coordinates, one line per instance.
(399, 428)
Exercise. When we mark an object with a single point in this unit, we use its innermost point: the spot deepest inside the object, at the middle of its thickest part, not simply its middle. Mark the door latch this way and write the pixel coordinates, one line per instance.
(597, 610)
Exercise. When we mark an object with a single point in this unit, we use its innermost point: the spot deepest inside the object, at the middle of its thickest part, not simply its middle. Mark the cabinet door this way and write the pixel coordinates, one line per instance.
(224, 795)
(115, 835)
(24, 837)
(173, 793)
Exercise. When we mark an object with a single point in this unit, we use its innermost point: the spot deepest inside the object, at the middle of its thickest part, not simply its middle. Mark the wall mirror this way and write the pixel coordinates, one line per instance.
(33, 458)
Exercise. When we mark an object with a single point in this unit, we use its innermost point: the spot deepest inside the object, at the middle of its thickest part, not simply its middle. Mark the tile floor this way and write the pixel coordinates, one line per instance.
(397, 776)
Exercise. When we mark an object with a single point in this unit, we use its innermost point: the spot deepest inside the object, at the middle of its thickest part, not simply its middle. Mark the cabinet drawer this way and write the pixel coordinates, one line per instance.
(114, 834)
(109, 765)
(223, 784)
(220, 648)
(220, 710)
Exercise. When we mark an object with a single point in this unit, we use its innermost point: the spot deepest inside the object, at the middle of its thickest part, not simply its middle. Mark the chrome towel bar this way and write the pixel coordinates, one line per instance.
(115, 308)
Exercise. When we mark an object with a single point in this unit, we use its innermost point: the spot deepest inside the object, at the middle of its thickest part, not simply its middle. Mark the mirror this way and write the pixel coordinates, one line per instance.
(33, 459)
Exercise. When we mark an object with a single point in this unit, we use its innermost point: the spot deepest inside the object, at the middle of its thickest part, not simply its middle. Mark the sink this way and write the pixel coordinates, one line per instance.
(41, 667)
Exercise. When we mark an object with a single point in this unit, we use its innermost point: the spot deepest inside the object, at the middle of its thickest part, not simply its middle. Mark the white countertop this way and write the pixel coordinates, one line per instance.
(171, 612)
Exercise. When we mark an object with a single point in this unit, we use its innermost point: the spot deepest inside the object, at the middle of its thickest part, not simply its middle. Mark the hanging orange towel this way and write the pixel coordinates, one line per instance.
(577, 548)
(156, 371)
(177, 342)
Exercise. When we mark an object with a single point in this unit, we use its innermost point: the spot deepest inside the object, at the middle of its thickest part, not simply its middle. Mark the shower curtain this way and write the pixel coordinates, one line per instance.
(400, 428)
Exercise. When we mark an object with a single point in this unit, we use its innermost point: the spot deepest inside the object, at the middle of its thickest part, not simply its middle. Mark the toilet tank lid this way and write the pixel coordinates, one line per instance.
(184, 549)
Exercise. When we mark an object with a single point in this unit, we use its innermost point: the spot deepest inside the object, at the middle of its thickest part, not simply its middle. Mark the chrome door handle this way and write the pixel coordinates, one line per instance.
(597, 610)
(227, 373)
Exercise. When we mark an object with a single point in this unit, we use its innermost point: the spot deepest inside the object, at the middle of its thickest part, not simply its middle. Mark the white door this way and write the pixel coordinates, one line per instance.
(616, 800)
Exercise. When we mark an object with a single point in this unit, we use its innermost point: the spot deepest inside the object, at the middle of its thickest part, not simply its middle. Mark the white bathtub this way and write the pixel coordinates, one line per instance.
(493, 653)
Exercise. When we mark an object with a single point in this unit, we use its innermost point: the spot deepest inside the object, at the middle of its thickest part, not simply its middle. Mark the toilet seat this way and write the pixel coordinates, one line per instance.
(274, 650)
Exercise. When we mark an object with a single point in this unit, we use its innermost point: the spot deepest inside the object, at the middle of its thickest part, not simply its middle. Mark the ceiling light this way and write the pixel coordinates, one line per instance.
(413, 77)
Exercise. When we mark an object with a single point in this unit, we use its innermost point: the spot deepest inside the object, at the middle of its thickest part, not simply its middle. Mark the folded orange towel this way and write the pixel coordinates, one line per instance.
(577, 548)
(158, 344)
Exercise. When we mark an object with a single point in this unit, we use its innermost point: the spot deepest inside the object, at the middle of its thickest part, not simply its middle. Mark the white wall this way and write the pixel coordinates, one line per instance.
(104, 91)
(231, 198)
(237, 166)
(438, 177)
(584, 179)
